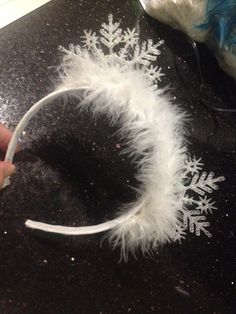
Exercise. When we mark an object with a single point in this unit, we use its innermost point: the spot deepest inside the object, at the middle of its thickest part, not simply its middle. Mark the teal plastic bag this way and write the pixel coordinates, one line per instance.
(210, 21)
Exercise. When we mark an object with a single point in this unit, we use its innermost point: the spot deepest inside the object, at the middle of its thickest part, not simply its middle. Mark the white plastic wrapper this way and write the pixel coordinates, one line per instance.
(210, 21)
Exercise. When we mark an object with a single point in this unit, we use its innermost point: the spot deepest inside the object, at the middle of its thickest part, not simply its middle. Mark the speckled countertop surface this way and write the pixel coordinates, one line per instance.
(48, 274)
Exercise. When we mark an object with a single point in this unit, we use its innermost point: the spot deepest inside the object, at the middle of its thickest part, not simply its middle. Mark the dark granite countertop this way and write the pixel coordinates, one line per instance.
(49, 274)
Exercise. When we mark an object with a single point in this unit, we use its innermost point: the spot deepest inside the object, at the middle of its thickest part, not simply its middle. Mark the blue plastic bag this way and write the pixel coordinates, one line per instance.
(210, 21)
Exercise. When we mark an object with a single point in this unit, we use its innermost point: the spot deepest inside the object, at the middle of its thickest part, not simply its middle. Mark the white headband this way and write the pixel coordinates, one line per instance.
(122, 85)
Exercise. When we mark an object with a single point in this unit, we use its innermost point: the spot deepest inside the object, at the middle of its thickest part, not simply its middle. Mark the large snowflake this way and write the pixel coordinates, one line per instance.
(123, 47)
(198, 184)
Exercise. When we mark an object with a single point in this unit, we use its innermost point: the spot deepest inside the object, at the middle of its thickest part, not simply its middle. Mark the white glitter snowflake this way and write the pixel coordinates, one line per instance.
(123, 47)
(90, 39)
(193, 165)
(198, 205)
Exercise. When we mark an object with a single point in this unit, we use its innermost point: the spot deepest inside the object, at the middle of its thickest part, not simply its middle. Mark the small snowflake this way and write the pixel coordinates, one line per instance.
(198, 205)
(193, 165)
(154, 73)
(205, 205)
(130, 37)
(89, 40)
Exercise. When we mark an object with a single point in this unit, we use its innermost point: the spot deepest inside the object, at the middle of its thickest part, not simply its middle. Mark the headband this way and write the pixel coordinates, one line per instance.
(112, 74)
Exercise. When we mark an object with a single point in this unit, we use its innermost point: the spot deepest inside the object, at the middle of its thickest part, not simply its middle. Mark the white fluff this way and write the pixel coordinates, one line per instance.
(153, 129)
(123, 88)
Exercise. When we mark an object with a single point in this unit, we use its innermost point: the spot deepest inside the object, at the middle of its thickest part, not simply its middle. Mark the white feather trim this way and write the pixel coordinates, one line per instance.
(153, 129)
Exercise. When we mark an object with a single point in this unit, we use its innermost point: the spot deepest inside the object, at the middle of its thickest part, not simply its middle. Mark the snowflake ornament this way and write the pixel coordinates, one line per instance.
(205, 205)
(123, 48)
(193, 165)
(197, 183)
(89, 40)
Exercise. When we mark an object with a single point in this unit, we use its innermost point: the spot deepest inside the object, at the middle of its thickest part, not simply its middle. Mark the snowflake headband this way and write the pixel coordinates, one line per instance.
(122, 85)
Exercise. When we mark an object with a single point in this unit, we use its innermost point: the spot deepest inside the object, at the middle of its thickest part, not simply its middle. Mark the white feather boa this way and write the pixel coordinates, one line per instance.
(153, 130)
